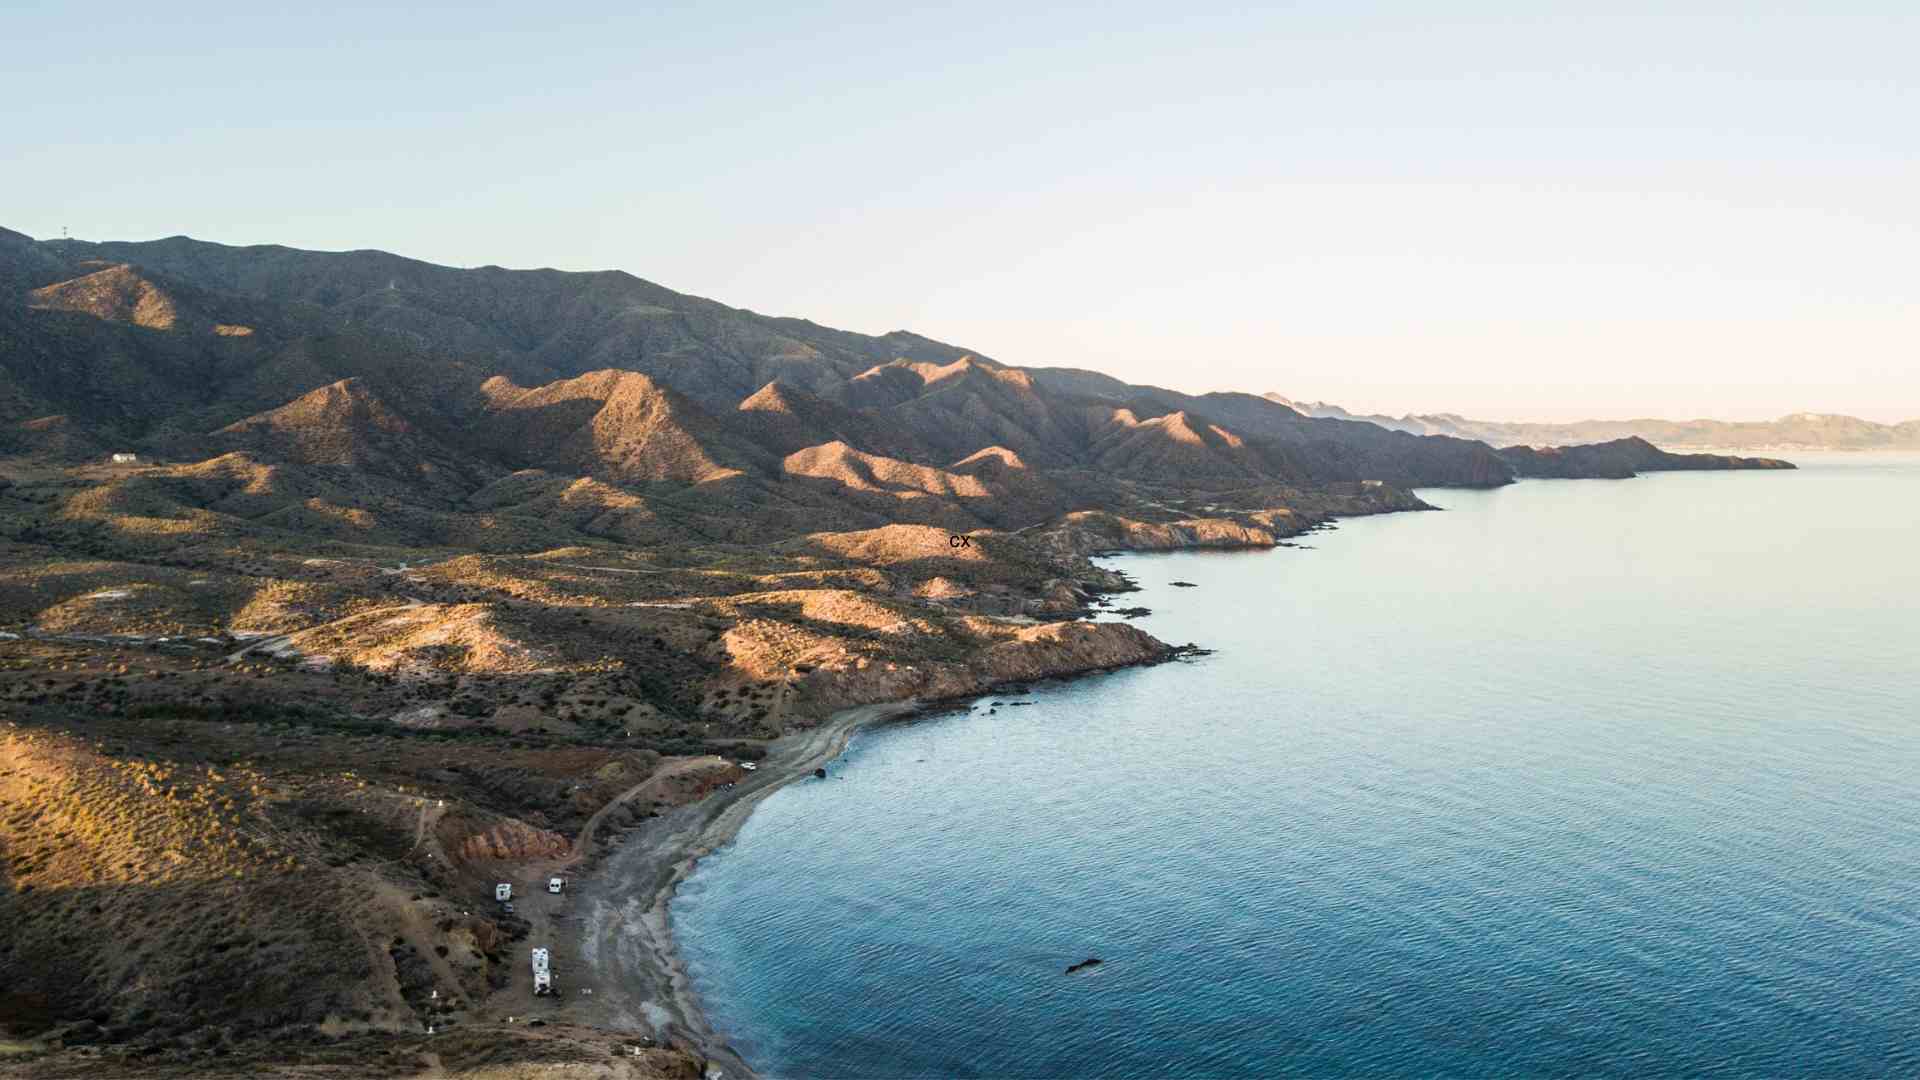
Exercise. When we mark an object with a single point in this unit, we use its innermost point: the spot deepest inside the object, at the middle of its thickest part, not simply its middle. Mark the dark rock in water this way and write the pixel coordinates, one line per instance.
(821, 773)
(1132, 612)
(1017, 704)
(1091, 961)
(1183, 584)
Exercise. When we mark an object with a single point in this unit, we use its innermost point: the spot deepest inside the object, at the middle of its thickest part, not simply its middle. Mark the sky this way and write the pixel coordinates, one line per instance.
(1506, 210)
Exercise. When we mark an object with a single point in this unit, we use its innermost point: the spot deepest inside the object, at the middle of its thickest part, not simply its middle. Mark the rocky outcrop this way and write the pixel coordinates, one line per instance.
(1286, 513)
(1093, 531)
(1046, 650)
(1065, 648)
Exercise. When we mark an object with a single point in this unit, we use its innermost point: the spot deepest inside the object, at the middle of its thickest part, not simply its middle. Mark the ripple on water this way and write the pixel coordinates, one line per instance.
(1596, 778)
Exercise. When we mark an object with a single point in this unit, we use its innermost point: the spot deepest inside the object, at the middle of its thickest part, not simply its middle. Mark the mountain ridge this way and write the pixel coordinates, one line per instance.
(714, 420)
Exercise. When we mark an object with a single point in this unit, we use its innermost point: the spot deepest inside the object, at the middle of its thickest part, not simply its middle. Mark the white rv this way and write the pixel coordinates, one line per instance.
(542, 972)
(503, 892)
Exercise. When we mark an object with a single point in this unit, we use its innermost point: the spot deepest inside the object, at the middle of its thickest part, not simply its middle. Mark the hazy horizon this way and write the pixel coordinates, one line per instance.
(1506, 215)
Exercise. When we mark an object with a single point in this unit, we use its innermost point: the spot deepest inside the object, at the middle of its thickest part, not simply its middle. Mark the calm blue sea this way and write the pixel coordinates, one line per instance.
(1577, 777)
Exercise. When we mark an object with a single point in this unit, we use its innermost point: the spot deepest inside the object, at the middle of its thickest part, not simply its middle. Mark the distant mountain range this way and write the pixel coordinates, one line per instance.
(350, 393)
(1800, 431)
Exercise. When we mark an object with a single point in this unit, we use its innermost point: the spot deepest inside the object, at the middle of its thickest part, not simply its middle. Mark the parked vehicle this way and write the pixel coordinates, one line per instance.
(503, 892)
(542, 972)
(555, 884)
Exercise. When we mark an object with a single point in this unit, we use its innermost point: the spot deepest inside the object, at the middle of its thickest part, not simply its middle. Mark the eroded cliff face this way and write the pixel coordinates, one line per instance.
(501, 840)
(1046, 650)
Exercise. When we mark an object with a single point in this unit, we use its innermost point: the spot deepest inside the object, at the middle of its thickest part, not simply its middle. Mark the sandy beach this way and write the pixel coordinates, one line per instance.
(626, 943)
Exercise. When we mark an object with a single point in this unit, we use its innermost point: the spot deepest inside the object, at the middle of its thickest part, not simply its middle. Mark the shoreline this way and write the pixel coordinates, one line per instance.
(624, 933)
(621, 912)
(626, 936)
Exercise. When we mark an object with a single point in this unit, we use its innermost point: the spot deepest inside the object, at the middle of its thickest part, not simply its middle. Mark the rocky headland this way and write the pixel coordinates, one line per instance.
(1620, 460)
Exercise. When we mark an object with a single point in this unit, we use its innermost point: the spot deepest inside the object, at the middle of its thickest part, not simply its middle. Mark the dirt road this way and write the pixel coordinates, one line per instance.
(552, 917)
(269, 643)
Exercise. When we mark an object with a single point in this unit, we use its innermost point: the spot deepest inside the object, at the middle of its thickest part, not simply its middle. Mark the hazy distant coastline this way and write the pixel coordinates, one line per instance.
(1799, 431)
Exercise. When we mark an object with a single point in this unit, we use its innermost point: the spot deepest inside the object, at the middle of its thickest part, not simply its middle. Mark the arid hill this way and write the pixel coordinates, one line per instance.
(348, 425)
(614, 425)
(784, 420)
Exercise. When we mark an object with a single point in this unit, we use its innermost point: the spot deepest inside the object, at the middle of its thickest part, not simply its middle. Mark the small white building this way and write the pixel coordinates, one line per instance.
(126, 459)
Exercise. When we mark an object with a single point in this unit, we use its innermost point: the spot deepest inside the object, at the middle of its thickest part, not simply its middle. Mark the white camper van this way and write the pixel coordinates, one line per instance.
(542, 972)
(503, 892)
(555, 884)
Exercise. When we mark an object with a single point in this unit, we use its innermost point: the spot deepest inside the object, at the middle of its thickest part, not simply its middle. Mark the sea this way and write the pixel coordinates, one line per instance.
(1595, 778)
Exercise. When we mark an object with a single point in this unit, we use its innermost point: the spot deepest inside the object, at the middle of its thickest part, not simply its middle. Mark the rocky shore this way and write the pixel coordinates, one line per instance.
(626, 939)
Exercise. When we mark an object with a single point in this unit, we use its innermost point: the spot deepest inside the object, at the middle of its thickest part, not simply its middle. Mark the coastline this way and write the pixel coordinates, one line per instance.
(621, 908)
(626, 938)
(628, 947)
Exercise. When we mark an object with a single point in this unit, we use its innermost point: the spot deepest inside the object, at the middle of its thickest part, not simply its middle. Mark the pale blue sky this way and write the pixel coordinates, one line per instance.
(1506, 210)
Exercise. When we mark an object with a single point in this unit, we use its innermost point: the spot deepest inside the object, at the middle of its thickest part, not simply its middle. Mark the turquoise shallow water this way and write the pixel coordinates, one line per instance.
(1595, 777)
